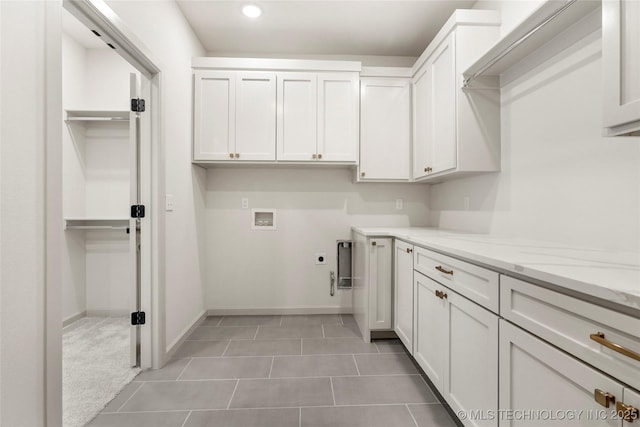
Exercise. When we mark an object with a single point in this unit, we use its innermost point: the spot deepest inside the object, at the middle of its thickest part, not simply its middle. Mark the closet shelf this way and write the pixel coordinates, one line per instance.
(96, 223)
(550, 19)
(96, 116)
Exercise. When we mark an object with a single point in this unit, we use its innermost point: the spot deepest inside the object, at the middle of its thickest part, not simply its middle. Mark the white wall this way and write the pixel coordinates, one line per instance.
(561, 181)
(172, 42)
(23, 77)
(270, 270)
(366, 60)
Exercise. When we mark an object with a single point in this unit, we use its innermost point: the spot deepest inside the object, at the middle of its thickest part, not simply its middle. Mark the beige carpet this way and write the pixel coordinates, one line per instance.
(95, 366)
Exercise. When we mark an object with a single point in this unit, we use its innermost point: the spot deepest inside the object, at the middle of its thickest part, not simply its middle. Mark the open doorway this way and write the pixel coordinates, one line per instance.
(110, 183)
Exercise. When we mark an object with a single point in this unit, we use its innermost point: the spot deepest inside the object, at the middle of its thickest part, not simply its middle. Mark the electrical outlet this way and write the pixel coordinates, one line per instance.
(321, 258)
(245, 203)
(399, 204)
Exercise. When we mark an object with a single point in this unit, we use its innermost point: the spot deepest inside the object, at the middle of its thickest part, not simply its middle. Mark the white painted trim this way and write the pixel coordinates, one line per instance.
(51, 160)
(182, 336)
(274, 64)
(69, 320)
(396, 72)
(279, 310)
(460, 17)
(97, 15)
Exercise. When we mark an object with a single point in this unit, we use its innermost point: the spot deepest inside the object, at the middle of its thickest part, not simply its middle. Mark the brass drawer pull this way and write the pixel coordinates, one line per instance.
(362, 174)
(603, 398)
(439, 294)
(314, 156)
(443, 270)
(409, 250)
(627, 412)
(320, 156)
(231, 155)
(600, 339)
(237, 155)
(373, 243)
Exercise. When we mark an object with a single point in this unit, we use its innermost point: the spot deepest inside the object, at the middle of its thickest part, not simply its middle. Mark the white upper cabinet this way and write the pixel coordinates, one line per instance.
(318, 117)
(456, 132)
(621, 66)
(338, 117)
(255, 116)
(297, 111)
(385, 129)
(234, 116)
(214, 115)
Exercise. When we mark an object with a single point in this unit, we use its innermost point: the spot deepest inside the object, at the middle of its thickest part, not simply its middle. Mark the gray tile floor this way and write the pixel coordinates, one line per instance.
(281, 371)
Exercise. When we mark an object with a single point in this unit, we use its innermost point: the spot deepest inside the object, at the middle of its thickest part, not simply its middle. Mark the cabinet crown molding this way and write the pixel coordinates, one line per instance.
(221, 63)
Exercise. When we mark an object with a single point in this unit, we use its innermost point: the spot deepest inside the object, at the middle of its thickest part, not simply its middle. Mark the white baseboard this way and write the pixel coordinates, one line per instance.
(69, 320)
(176, 343)
(107, 313)
(282, 310)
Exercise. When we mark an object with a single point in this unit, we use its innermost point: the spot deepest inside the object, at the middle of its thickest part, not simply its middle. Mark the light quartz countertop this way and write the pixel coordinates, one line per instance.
(612, 277)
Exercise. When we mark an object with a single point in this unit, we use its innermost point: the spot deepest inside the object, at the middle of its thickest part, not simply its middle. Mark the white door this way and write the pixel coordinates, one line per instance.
(380, 284)
(134, 223)
(429, 338)
(338, 117)
(403, 285)
(385, 134)
(443, 106)
(621, 64)
(471, 363)
(297, 108)
(214, 115)
(536, 376)
(255, 116)
(422, 122)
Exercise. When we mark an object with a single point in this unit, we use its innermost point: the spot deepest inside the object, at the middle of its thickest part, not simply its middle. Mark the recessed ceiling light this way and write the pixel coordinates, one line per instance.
(251, 11)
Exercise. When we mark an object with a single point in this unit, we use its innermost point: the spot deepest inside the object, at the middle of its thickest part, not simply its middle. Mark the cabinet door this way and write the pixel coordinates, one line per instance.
(338, 117)
(255, 116)
(214, 115)
(403, 285)
(297, 106)
(534, 376)
(380, 284)
(621, 65)
(441, 110)
(385, 137)
(429, 339)
(422, 126)
(471, 364)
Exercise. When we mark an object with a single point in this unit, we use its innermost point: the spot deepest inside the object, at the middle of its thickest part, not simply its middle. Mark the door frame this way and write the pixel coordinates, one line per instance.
(97, 15)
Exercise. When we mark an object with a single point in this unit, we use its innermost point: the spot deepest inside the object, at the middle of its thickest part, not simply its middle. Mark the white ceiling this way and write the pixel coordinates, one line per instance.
(307, 27)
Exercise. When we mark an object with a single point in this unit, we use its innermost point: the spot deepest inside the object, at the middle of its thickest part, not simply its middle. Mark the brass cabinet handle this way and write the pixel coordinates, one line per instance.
(313, 156)
(603, 398)
(320, 156)
(438, 294)
(442, 270)
(627, 412)
(373, 243)
(362, 174)
(444, 295)
(237, 155)
(231, 155)
(409, 250)
(600, 339)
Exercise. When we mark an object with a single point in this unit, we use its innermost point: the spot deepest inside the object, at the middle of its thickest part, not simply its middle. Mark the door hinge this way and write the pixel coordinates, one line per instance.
(137, 211)
(138, 318)
(137, 105)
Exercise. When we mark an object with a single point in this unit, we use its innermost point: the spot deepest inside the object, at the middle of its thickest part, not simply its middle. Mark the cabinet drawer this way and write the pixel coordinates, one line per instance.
(571, 324)
(476, 283)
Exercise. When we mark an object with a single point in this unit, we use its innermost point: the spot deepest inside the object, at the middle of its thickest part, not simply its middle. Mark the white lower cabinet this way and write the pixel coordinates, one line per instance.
(372, 282)
(542, 386)
(456, 344)
(403, 293)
